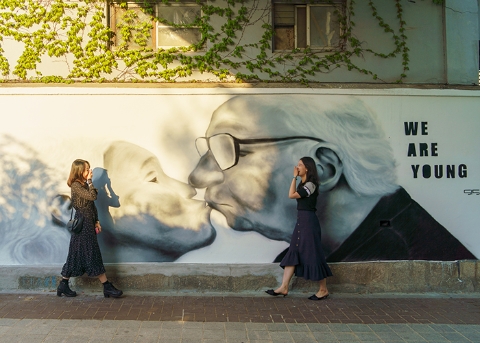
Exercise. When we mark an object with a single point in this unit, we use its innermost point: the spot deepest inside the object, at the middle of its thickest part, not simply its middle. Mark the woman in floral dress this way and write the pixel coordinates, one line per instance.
(84, 254)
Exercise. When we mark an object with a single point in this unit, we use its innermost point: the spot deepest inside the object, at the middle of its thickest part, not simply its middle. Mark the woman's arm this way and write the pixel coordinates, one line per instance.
(90, 194)
(306, 190)
(292, 192)
(95, 213)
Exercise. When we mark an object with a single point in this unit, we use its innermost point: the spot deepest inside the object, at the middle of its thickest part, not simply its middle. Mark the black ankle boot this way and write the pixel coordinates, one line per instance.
(109, 290)
(65, 289)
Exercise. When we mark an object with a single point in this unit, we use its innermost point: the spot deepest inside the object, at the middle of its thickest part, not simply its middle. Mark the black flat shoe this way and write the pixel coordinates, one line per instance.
(272, 292)
(314, 297)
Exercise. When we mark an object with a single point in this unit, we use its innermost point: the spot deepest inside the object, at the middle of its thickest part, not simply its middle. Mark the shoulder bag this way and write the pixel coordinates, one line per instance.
(75, 225)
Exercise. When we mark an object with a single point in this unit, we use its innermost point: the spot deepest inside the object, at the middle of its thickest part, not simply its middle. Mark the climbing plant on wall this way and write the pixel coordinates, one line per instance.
(78, 34)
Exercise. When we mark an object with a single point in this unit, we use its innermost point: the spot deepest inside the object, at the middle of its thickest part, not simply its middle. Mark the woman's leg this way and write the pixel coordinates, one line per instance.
(103, 278)
(322, 291)
(287, 276)
(109, 289)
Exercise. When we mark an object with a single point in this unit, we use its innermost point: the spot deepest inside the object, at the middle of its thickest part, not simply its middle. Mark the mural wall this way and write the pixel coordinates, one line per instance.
(202, 175)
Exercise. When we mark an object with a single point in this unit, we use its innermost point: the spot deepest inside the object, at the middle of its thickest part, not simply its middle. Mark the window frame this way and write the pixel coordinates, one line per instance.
(341, 6)
(156, 5)
(159, 24)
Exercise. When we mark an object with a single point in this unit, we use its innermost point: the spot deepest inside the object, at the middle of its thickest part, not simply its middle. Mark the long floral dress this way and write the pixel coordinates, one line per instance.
(84, 254)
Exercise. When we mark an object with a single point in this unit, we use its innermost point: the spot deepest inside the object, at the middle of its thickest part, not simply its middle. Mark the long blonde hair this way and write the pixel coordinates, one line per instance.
(77, 170)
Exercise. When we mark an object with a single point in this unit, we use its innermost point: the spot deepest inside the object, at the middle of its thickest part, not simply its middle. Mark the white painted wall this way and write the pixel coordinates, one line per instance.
(461, 19)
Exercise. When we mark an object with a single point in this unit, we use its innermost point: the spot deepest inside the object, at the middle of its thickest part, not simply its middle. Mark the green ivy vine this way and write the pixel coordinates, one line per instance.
(77, 34)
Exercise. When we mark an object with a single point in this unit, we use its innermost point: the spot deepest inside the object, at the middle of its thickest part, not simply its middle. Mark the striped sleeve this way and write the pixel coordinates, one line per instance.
(306, 190)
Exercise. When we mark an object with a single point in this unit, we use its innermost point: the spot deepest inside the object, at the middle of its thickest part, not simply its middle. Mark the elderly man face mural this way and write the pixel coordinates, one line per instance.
(246, 158)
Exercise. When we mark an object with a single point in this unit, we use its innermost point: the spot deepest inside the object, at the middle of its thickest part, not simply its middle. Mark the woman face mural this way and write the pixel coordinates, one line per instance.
(154, 218)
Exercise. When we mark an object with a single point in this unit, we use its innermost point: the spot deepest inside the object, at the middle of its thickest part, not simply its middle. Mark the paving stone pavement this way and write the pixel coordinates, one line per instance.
(44, 317)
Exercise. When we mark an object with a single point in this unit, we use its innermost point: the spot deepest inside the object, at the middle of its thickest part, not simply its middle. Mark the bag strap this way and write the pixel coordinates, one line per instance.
(71, 213)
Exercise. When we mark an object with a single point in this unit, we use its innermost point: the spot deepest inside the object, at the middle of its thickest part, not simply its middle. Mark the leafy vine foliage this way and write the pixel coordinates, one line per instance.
(77, 33)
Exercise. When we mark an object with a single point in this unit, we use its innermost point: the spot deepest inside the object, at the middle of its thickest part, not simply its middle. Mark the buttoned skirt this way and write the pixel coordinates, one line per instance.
(305, 251)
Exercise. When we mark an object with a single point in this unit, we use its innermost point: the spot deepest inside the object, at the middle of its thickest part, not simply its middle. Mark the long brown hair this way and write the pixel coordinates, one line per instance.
(76, 172)
(312, 173)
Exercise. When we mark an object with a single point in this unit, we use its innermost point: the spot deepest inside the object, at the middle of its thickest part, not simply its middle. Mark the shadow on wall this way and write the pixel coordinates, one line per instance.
(106, 198)
(32, 215)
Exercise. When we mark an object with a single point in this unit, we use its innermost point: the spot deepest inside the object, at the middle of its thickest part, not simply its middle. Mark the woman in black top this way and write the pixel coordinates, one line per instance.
(84, 254)
(305, 257)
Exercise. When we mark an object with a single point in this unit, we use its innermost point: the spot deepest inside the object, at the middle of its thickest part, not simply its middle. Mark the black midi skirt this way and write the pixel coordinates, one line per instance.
(305, 251)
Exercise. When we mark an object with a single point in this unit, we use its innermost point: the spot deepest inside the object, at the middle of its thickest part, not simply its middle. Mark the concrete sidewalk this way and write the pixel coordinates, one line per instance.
(44, 317)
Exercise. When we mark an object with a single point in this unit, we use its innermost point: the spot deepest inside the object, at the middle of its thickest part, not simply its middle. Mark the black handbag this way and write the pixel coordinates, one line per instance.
(75, 225)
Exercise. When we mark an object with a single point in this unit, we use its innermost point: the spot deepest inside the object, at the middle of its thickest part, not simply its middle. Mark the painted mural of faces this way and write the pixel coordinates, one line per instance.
(244, 161)
(252, 143)
(155, 218)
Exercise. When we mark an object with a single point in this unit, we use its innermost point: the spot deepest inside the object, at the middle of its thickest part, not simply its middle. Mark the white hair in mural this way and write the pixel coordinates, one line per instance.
(29, 234)
(369, 165)
(344, 122)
